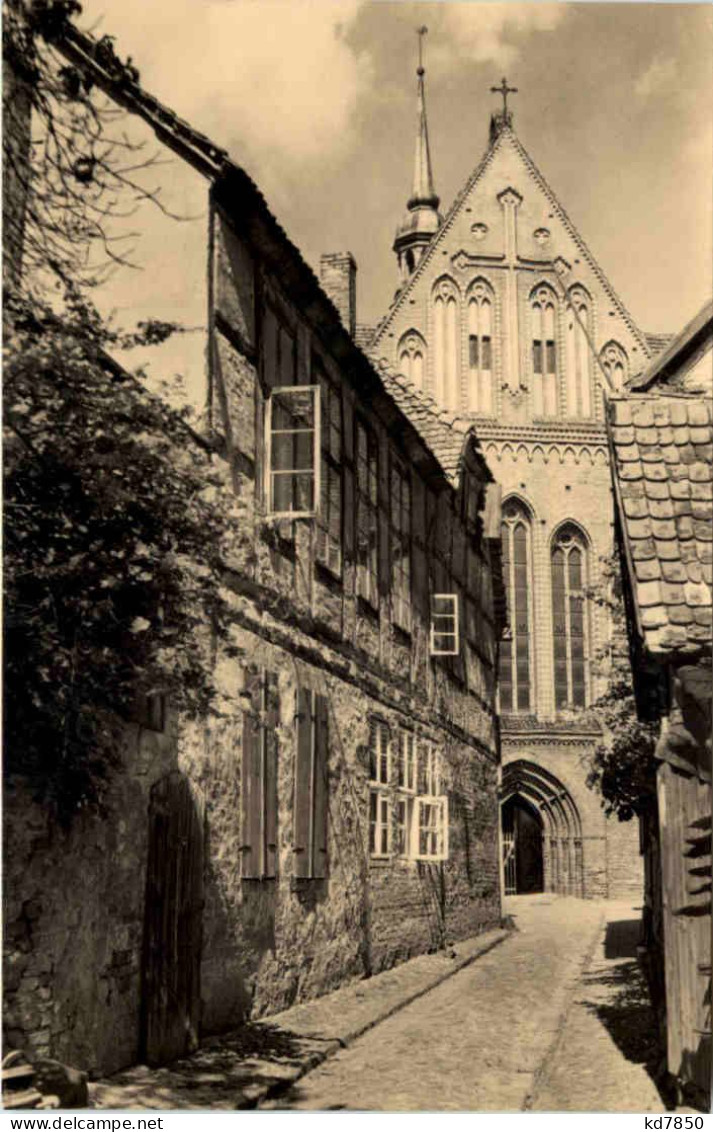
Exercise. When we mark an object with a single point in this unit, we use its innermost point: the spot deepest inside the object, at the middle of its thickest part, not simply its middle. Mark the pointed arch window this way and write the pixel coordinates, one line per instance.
(446, 304)
(543, 304)
(578, 370)
(616, 365)
(516, 647)
(570, 570)
(412, 357)
(480, 349)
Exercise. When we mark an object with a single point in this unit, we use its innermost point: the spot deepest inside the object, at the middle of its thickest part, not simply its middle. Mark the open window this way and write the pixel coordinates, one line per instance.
(445, 625)
(293, 444)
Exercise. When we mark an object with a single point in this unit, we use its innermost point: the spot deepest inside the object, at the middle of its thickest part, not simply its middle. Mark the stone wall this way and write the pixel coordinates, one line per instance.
(274, 941)
(73, 917)
(75, 900)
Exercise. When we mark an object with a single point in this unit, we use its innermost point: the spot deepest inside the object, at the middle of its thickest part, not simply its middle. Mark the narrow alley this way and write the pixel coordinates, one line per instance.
(555, 1018)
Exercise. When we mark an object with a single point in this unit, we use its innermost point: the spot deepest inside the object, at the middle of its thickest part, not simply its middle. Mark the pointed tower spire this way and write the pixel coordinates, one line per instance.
(422, 218)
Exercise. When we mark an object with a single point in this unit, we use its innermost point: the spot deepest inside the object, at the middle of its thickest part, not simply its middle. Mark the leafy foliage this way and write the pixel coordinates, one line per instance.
(118, 517)
(622, 769)
(118, 524)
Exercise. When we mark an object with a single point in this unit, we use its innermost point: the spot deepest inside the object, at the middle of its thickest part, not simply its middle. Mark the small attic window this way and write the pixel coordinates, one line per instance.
(445, 625)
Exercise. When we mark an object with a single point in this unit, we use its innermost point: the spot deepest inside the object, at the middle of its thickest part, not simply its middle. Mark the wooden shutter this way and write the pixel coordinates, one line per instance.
(311, 786)
(259, 781)
(303, 784)
(251, 785)
(320, 788)
(271, 717)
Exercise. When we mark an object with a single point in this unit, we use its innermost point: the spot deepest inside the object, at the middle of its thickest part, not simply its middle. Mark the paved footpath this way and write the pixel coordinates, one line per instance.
(545, 1021)
(552, 1016)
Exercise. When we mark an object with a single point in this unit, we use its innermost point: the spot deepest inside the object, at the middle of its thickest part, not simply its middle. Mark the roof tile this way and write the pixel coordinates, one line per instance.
(681, 434)
(631, 471)
(661, 412)
(649, 570)
(697, 593)
(654, 471)
(674, 571)
(678, 412)
(657, 489)
(667, 550)
(684, 527)
(642, 413)
(700, 434)
(621, 412)
(636, 508)
(663, 528)
(699, 472)
(669, 452)
(642, 549)
(680, 614)
(699, 412)
(681, 489)
(649, 593)
(661, 508)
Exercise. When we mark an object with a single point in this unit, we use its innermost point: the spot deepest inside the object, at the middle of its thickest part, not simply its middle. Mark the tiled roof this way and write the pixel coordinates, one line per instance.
(676, 348)
(442, 433)
(662, 466)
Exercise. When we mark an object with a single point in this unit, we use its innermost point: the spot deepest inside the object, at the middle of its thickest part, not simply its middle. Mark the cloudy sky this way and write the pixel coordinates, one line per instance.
(316, 99)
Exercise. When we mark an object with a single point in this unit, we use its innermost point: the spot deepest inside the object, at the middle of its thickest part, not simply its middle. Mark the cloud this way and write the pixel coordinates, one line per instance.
(656, 77)
(262, 74)
(489, 32)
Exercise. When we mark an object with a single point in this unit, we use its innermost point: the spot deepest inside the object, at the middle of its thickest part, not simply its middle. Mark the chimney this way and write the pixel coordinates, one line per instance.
(337, 274)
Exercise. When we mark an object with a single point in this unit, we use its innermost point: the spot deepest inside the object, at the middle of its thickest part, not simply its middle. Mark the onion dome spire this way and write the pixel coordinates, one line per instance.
(422, 218)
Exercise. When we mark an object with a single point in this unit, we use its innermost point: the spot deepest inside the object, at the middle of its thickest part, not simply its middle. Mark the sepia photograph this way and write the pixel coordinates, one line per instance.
(358, 558)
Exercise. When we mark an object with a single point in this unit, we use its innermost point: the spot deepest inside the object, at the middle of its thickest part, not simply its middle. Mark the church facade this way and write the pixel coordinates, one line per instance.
(506, 320)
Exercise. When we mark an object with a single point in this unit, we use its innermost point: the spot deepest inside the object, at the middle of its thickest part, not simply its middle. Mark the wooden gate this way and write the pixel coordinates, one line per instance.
(173, 921)
(685, 830)
(509, 851)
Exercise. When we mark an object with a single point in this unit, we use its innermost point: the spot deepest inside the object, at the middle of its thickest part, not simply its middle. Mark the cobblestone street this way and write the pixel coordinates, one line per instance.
(555, 1018)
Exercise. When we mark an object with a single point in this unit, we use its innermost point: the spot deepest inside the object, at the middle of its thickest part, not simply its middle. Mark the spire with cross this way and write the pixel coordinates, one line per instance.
(422, 217)
(501, 118)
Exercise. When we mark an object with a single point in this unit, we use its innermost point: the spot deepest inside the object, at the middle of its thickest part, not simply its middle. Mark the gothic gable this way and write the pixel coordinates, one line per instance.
(493, 344)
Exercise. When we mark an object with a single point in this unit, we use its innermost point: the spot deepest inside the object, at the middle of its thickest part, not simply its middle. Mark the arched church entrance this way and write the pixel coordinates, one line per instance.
(541, 832)
(522, 846)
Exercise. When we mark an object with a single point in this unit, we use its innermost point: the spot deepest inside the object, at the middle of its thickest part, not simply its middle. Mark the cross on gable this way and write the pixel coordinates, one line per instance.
(505, 90)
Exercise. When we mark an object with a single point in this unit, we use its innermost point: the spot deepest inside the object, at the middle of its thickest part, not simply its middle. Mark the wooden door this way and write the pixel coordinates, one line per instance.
(173, 921)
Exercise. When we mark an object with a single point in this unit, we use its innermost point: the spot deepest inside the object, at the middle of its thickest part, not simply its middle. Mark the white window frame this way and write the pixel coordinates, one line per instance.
(406, 787)
(383, 821)
(445, 623)
(436, 828)
(384, 746)
(430, 756)
(315, 432)
(407, 763)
